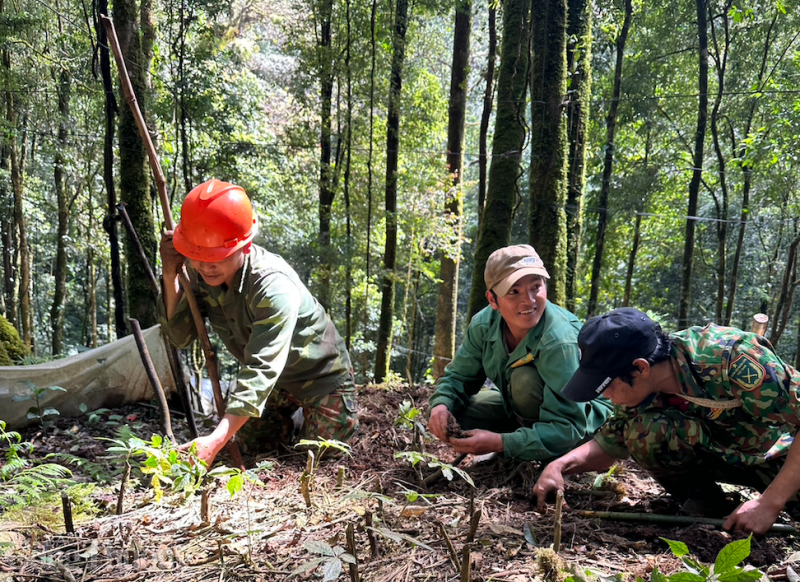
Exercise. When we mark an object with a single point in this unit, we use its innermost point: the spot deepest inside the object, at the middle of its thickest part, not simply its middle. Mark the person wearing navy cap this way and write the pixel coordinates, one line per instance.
(698, 407)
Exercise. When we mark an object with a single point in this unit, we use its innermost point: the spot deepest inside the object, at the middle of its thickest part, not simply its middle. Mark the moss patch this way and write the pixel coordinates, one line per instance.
(11, 343)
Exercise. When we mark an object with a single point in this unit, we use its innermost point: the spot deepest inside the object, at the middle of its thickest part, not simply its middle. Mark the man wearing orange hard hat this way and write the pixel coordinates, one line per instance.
(291, 354)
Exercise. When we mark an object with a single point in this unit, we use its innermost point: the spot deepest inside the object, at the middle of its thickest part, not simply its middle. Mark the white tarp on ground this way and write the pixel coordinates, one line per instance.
(108, 376)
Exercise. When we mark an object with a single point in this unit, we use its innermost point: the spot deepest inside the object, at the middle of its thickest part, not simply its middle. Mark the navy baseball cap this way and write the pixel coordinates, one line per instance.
(609, 344)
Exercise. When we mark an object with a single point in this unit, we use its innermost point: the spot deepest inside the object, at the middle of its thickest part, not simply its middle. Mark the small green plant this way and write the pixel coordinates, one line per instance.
(21, 478)
(94, 416)
(38, 412)
(181, 469)
(726, 567)
(410, 418)
(332, 560)
(433, 462)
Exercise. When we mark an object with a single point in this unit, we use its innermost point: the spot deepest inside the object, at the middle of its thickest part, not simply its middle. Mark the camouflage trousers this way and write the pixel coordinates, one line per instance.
(332, 416)
(679, 452)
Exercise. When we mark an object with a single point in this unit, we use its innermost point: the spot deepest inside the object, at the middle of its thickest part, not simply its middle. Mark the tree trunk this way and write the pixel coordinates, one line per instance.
(385, 325)
(789, 284)
(445, 339)
(487, 110)
(369, 164)
(109, 223)
(348, 307)
(10, 246)
(133, 174)
(60, 293)
(608, 163)
(509, 138)
(720, 65)
(626, 301)
(579, 92)
(697, 161)
(91, 273)
(549, 147)
(326, 189)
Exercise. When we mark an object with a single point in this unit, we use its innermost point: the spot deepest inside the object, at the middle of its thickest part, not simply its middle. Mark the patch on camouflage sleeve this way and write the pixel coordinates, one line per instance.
(746, 372)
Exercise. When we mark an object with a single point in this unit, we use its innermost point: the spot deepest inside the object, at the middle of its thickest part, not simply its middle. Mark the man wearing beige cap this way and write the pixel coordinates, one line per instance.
(528, 348)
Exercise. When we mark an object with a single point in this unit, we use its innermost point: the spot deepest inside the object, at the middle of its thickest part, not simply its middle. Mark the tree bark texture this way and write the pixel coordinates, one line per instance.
(626, 301)
(445, 339)
(109, 223)
(348, 307)
(385, 324)
(549, 147)
(10, 244)
(59, 178)
(608, 163)
(487, 110)
(509, 138)
(579, 92)
(326, 189)
(134, 181)
(697, 162)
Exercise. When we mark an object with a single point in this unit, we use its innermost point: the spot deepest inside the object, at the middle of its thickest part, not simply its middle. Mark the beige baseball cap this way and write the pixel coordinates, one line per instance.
(508, 265)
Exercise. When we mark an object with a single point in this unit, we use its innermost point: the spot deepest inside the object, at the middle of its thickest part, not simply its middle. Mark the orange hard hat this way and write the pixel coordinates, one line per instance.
(217, 219)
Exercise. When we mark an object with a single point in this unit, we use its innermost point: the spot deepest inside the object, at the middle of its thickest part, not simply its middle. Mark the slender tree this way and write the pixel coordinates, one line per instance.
(59, 296)
(697, 163)
(486, 115)
(549, 147)
(608, 161)
(385, 325)
(326, 187)
(579, 91)
(445, 340)
(509, 138)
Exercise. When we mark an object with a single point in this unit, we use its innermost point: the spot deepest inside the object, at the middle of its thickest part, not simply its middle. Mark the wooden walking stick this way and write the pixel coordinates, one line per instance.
(161, 186)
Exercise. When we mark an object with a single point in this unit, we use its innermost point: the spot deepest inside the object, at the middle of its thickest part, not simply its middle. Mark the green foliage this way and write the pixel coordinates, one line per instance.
(237, 477)
(415, 457)
(726, 568)
(10, 343)
(38, 412)
(332, 560)
(180, 469)
(22, 478)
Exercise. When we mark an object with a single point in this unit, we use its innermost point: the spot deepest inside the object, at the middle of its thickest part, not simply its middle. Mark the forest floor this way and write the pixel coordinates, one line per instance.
(267, 532)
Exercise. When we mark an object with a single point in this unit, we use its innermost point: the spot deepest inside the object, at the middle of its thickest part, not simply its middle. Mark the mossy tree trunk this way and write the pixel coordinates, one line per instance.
(64, 203)
(608, 162)
(385, 323)
(697, 173)
(445, 340)
(549, 147)
(134, 183)
(579, 91)
(509, 138)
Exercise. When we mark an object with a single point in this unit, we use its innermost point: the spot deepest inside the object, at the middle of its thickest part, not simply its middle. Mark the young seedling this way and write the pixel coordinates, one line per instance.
(410, 418)
(433, 462)
(38, 412)
(312, 466)
(332, 560)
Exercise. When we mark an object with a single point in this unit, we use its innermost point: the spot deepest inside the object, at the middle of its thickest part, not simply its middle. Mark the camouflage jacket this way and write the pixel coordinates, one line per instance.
(744, 396)
(276, 329)
(552, 347)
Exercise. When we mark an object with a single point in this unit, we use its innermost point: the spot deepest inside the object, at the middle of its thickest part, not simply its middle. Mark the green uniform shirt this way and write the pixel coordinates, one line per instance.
(728, 367)
(552, 347)
(276, 329)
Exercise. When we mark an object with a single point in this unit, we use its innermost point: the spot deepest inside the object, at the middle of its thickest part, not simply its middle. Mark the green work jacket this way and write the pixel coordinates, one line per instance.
(552, 347)
(272, 324)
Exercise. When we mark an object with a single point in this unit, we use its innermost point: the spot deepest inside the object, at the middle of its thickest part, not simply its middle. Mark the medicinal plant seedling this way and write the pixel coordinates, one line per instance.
(38, 412)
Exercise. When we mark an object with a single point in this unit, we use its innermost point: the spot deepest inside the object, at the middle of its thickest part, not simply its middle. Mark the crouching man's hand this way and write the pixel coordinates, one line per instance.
(478, 442)
(549, 483)
(437, 424)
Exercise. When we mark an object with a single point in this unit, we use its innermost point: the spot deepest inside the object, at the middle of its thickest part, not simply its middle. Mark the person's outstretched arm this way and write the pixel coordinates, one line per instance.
(589, 456)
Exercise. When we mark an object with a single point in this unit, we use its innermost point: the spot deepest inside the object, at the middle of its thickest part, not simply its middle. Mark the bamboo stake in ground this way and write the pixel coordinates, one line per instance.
(161, 186)
(450, 548)
(672, 519)
(373, 542)
(473, 525)
(557, 525)
(466, 566)
(126, 474)
(351, 549)
(166, 423)
(66, 505)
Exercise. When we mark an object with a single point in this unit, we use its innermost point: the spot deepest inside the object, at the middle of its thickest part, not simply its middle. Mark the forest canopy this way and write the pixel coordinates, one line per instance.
(647, 151)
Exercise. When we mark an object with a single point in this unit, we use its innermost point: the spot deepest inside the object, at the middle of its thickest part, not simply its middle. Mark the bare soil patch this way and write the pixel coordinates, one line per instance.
(264, 532)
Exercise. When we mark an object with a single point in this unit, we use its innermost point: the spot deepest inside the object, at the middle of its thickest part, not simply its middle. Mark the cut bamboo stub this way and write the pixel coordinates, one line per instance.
(759, 324)
(557, 524)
